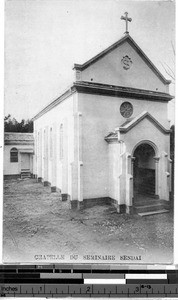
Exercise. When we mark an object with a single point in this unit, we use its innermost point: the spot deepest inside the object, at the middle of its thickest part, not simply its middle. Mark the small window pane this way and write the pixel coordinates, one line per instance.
(14, 155)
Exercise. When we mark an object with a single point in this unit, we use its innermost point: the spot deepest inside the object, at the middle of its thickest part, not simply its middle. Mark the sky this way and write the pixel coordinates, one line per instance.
(44, 38)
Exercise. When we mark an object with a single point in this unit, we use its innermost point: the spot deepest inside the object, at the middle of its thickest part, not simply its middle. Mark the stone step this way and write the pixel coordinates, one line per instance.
(149, 208)
(149, 213)
(147, 190)
(25, 174)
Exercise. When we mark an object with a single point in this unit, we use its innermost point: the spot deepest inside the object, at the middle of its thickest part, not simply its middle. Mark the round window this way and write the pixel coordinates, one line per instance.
(126, 109)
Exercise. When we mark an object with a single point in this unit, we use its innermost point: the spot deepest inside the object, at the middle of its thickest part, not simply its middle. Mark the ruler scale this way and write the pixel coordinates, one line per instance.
(79, 289)
(86, 281)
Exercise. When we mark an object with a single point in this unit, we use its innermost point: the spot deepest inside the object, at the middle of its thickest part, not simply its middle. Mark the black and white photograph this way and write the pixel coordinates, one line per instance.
(89, 126)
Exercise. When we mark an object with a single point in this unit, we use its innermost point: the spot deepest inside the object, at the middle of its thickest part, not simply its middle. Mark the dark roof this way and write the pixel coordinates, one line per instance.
(127, 38)
(119, 91)
(106, 90)
(18, 138)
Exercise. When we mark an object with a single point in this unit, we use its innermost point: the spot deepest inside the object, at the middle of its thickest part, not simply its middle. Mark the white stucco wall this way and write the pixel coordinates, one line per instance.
(56, 169)
(101, 115)
(109, 70)
(121, 166)
(146, 131)
(14, 168)
(115, 169)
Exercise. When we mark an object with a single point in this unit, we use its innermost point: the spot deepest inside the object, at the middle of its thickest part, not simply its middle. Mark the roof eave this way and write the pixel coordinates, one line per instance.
(51, 105)
(149, 62)
(92, 60)
(104, 89)
(149, 117)
(119, 91)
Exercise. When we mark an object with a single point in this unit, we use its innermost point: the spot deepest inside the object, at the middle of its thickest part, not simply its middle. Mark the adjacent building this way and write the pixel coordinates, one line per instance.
(18, 154)
(107, 138)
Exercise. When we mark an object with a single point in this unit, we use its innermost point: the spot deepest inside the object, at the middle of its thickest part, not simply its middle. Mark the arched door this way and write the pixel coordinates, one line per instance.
(144, 170)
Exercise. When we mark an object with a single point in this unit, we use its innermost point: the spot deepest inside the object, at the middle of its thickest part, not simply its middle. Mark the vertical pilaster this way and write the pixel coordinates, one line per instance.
(46, 156)
(170, 172)
(77, 165)
(80, 160)
(64, 159)
(129, 178)
(167, 174)
(54, 159)
(157, 176)
(43, 150)
(39, 157)
(132, 181)
(121, 182)
(76, 159)
(74, 163)
(35, 153)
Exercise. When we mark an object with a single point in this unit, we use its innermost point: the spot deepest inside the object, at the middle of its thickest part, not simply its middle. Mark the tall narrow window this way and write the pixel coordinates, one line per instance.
(61, 142)
(44, 144)
(51, 142)
(14, 155)
(38, 145)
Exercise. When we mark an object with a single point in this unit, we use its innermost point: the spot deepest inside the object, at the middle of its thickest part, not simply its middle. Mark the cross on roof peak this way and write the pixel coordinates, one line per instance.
(126, 19)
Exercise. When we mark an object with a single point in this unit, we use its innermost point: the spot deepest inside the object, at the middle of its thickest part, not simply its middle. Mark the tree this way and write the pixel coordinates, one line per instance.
(168, 69)
(12, 125)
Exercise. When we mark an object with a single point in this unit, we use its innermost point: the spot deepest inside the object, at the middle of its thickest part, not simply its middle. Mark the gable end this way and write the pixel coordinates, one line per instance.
(137, 120)
(127, 38)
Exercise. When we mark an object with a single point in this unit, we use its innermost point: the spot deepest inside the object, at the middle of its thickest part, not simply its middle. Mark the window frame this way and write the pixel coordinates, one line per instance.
(14, 158)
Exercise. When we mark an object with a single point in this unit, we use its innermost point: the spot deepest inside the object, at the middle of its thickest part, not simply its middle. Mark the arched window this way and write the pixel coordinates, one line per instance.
(44, 144)
(51, 142)
(38, 145)
(14, 155)
(61, 142)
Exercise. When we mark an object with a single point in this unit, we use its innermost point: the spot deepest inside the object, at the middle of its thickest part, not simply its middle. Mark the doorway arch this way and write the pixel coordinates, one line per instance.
(144, 169)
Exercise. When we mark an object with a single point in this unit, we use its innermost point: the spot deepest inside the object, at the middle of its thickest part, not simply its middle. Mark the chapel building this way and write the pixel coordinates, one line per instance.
(107, 138)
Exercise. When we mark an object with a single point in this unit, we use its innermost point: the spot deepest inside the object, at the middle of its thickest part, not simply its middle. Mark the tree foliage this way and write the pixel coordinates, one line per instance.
(168, 69)
(12, 125)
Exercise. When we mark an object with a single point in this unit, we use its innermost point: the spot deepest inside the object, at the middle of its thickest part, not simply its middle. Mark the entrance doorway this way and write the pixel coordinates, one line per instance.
(144, 170)
(25, 161)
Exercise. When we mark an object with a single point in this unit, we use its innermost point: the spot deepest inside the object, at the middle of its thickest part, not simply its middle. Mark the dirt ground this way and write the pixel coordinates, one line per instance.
(37, 222)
